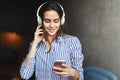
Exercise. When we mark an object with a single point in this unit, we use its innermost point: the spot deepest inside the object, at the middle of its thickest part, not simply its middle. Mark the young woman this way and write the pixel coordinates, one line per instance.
(50, 44)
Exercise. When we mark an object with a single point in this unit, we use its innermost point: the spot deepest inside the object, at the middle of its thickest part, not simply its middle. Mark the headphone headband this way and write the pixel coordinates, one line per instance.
(39, 18)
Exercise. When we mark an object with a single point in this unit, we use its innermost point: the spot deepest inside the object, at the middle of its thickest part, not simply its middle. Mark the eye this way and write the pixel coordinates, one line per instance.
(47, 20)
(56, 20)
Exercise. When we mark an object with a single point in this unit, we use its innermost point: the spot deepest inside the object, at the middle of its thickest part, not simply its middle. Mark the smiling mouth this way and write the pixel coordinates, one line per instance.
(52, 30)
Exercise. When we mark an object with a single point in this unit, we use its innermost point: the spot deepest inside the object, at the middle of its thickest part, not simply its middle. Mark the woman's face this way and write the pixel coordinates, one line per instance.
(51, 22)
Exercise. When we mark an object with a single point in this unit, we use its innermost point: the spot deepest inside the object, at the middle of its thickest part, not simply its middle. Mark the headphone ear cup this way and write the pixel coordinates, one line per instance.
(39, 20)
(62, 20)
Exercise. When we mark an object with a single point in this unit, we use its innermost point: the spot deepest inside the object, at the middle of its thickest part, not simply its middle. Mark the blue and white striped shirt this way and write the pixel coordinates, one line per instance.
(66, 48)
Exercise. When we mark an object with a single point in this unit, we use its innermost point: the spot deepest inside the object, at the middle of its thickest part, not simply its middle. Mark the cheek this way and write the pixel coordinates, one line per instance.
(46, 25)
(57, 25)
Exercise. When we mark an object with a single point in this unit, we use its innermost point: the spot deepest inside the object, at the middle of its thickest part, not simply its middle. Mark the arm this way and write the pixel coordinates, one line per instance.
(27, 72)
(77, 59)
(27, 67)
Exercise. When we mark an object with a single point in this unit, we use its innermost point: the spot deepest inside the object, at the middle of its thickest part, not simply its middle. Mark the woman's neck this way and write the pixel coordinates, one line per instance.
(50, 39)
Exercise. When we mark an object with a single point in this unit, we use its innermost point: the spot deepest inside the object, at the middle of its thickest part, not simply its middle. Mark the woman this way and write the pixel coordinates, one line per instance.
(51, 44)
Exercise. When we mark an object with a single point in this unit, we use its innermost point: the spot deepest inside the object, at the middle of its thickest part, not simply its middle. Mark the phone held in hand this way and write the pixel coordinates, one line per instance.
(42, 30)
(58, 63)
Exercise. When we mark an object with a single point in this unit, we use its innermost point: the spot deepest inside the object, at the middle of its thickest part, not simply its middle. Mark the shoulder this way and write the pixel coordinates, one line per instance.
(72, 42)
(70, 38)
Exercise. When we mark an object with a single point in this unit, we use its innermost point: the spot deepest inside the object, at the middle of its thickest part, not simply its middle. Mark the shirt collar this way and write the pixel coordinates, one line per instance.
(58, 39)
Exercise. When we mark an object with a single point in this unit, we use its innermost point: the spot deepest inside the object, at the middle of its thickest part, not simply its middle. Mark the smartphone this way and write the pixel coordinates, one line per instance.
(58, 63)
(42, 29)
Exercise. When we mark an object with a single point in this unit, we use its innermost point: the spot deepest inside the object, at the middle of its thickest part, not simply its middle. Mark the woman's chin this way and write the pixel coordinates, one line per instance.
(52, 34)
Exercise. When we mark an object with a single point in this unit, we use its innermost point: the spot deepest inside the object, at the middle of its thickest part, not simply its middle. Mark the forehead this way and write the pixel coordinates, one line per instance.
(51, 14)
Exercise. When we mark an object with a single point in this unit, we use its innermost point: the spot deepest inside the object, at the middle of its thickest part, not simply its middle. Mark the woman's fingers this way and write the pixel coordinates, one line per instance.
(39, 31)
(61, 73)
(64, 65)
(39, 26)
(64, 71)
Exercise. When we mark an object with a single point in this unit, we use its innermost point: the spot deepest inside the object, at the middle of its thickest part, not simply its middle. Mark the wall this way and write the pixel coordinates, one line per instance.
(97, 24)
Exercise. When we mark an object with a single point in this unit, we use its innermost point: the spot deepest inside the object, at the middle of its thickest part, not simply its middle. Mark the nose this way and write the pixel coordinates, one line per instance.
(52, 24)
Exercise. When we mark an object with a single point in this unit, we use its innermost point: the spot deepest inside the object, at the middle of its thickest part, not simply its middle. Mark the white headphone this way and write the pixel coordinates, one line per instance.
(40, 20)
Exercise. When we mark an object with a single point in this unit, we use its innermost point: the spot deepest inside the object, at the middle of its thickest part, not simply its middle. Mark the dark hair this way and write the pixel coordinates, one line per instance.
(48, 6)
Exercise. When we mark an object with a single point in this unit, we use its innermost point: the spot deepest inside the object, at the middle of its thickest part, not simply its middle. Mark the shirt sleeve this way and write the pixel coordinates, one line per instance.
(77, 56)
(27, 72)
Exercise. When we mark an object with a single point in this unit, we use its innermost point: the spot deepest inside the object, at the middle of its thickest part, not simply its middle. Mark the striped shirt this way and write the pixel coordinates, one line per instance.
(66, 48)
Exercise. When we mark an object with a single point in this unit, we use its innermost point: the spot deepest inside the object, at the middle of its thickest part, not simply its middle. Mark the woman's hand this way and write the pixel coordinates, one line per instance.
(66, 71)
(38, 35)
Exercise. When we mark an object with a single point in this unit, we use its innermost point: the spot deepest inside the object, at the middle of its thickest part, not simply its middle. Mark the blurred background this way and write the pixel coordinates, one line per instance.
(95, 22)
